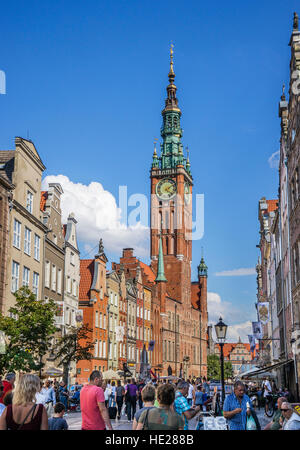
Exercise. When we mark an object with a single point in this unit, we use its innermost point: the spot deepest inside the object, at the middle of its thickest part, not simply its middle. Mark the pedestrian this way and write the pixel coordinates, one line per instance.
(112, 397)
(50, 398)
(2, 406)
(119, 397)
(132, 391)
(92, 404)
(141, 385)
(63, 394)
(198, 401)
(148, 397)
(190, 394)
(8, 384)
(291, 418)
(277, 419)
(163, 417)
(57, 422)
(181, 405)
(267, 393)
(235, 407)
(107, 392)
(206, 386)
(24, 413)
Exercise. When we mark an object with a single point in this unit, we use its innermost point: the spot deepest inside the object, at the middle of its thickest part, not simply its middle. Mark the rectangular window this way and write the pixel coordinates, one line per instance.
(53, 278)
(29, 202)
(26, 273)
(96, 319)
(35, 284)
(116, 299)
(100, 349)
(74, 288)
(47, 274)
(59, 279)
(17, 234)
(115, 351)
(37, 241)
(100, 324)
(69, 285)
(104, 321)
(104, 349)
(27, 241)
(96, 349)
(15, 276)
(72, 258)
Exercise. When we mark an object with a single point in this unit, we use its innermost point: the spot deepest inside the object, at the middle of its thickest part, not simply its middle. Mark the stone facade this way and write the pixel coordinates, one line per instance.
(93, 301)
(6, 188)
(293, 169)
(25, 251)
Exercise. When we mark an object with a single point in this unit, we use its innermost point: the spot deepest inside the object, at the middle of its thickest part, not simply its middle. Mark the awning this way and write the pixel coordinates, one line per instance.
(267, 369)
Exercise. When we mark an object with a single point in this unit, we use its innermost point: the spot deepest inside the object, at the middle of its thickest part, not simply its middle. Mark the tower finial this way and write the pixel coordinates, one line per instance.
(171, 73)
(283, 93)
(296, 22)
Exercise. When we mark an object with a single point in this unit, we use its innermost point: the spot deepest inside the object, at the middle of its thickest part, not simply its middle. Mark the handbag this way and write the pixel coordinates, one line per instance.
(251, 425)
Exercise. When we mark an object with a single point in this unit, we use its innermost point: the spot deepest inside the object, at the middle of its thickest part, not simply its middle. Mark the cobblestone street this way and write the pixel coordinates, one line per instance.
(74, 421)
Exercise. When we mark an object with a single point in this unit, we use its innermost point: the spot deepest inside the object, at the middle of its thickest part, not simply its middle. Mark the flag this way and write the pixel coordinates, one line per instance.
(257, 330)
(263, 312)
(252, 342)
(151, 346)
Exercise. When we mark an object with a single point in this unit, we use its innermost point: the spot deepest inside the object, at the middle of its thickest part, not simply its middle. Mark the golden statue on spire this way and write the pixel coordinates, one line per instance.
(171, 59)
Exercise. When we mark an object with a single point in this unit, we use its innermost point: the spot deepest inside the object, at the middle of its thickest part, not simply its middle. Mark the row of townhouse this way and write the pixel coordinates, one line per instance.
(36, 249)
(278, 269)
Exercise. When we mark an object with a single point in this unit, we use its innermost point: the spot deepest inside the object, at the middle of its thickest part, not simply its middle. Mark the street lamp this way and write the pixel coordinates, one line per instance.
(221, 330)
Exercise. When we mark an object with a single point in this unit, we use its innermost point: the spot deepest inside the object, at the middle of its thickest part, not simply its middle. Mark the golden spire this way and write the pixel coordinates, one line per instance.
(171, 73)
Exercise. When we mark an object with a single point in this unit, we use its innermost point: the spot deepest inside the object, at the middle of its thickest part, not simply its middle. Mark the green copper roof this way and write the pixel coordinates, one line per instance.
(171, 131)
(160, 267)
(202, 268)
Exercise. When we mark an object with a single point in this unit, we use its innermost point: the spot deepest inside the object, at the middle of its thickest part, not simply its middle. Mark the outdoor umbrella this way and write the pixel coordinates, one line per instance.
(110, 375)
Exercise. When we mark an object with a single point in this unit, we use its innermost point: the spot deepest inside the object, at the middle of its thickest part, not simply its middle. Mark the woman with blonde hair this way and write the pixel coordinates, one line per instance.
(24, 413)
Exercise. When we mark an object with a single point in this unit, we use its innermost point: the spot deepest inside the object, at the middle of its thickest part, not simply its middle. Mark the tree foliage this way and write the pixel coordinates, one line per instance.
(214, 368)
(28, 331)
(76, 345)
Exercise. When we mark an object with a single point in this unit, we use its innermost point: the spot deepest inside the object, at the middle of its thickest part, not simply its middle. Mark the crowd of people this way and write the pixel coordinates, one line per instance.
(27, 403)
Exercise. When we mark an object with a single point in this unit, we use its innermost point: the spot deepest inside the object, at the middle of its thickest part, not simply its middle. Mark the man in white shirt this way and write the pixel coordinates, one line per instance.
(267, 392)
(190, 394)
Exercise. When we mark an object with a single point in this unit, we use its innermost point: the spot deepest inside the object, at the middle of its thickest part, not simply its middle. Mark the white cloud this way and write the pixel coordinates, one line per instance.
(233, 316)
(236, 272)
(98, 216)
(274, 160)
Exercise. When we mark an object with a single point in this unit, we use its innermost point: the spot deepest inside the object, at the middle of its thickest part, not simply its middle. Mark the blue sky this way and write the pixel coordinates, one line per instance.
(86, 82)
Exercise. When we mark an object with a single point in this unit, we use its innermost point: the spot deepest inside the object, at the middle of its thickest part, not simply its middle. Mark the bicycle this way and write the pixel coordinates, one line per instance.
(271, 401)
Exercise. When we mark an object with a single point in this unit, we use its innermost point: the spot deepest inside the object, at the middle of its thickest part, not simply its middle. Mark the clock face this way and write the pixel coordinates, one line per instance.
(166, 189)
(187, 193)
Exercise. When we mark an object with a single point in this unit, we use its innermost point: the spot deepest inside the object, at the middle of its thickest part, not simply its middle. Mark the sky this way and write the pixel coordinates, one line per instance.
(86, 82)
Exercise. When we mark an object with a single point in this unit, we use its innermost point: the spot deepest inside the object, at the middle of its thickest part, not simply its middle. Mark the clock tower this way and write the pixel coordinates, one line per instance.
(171, 200)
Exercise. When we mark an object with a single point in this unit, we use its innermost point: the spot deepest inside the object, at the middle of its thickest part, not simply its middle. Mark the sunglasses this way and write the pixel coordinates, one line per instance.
(284, 410)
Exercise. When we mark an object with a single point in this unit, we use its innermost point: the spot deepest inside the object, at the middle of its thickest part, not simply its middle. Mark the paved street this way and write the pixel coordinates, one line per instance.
(74, 421)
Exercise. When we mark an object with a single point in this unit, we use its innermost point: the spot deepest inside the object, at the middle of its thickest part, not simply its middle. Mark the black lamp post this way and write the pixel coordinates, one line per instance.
(221, 330)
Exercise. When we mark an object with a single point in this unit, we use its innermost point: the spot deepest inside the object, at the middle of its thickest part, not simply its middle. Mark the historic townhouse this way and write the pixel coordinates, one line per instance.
(26, 242)
(93, 301)
(122, 325)
(113, 293)
(54, 256)
(293, 169)
(71, 275)
(6, 187)
(131, 326)
(238, 354)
